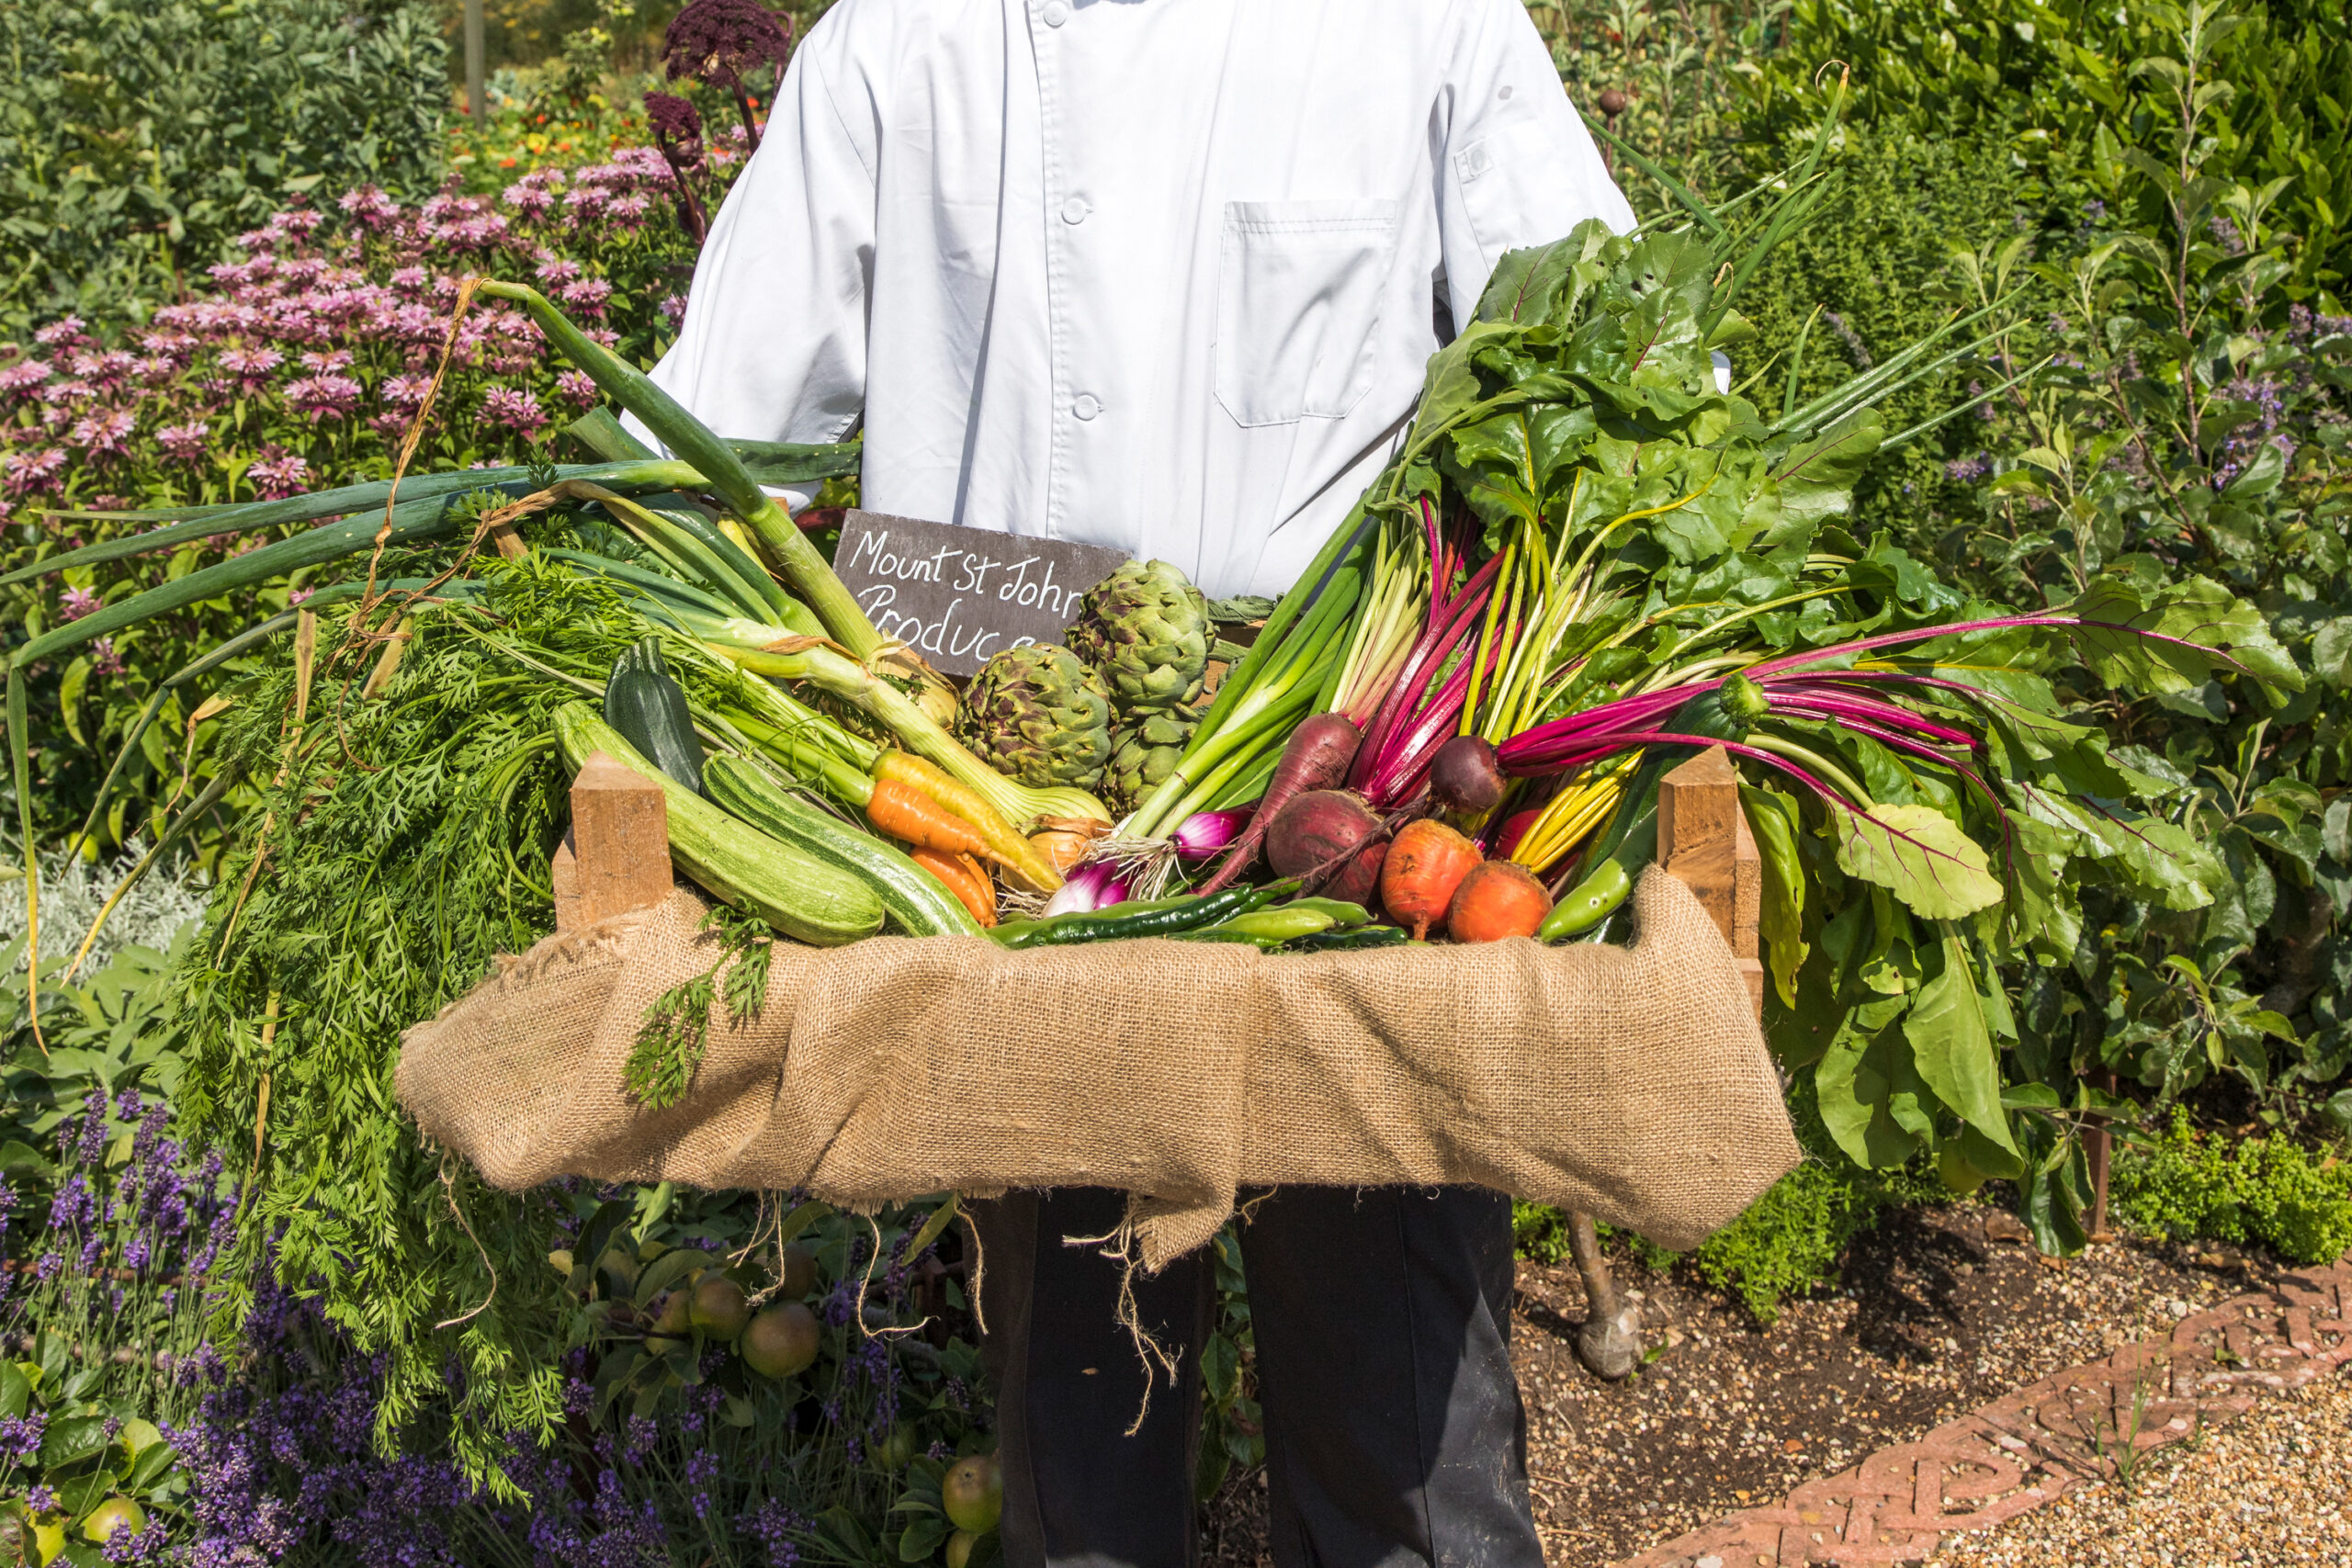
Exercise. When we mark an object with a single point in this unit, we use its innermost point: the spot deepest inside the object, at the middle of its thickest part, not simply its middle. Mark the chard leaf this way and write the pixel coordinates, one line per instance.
(1953, 1045)
(2205, 630)
(1871, 1095)
(1920, 855)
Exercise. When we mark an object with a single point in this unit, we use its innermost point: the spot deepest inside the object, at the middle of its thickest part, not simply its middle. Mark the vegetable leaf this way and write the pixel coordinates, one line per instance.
(1953, 1044)
(1919, 855)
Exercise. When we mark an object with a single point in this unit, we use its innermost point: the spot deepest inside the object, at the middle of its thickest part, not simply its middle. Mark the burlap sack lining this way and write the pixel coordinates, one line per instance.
(1630, 1082)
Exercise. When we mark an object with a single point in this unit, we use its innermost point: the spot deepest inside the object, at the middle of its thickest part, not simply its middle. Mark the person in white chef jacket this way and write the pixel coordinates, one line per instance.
(1163, 275)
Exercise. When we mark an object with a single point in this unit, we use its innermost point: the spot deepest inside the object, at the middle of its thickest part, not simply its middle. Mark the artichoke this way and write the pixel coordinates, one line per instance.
(1144, 752)
(1146, 633)
(1037, 715)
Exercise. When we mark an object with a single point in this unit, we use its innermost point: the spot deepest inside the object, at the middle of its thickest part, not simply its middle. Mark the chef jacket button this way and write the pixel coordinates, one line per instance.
(1075, 209)
(1057, 14)
(1086, 406)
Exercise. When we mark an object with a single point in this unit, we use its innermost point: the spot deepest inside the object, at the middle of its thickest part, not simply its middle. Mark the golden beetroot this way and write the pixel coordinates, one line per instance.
(1497, 899)
(1425, 865)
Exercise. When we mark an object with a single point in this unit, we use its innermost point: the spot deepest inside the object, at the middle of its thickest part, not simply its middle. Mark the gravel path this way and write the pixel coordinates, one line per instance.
(1945, 1309)
(2270, 1489)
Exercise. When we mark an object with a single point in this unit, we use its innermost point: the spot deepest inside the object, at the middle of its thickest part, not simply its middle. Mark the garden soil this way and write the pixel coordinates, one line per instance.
(1630, 1082)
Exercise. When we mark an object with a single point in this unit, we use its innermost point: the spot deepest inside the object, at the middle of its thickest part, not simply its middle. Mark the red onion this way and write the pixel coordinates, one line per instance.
(1204, 834)
(1095, 886)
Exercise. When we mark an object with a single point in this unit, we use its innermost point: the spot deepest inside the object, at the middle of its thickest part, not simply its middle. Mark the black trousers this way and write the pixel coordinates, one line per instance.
(1393, 1432)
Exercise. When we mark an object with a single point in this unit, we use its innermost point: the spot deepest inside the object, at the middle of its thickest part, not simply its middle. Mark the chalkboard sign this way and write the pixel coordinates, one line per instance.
(956, 595)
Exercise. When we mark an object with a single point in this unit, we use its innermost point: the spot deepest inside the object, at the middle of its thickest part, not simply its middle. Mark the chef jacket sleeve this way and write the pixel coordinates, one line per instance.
(1517, 167)
(773, 345)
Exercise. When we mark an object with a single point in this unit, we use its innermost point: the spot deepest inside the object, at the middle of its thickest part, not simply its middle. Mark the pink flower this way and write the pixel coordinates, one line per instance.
(576, 388)
(369, 207)
(104, 369)
(251, 365)
(325, 363)
(406, 391)
(295, 596)
(409, 279)
(63, 332)
(557, 270)
(279, 473)
(585, 202)
(103, 660)
(75, 602)
(587, 295)
(324, 397)
(58, 392)
(28, 471)
(630, 210)
(106, 435)
(184, 443)
(674, 309)
(156, 368)
(168, 346)
(23, 377)
(515, 409)
(529, 201)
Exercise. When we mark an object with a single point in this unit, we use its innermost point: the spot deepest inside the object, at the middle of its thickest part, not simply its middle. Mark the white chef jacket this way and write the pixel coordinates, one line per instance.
(1160, 275)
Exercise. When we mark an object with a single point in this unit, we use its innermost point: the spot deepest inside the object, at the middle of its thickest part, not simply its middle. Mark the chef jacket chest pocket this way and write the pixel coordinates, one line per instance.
(1300, 290)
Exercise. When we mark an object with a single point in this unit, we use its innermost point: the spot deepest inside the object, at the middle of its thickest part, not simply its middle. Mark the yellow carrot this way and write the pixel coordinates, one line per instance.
(1017, 854)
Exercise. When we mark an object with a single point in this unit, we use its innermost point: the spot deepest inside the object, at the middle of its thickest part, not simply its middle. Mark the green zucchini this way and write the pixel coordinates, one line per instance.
(917, 902)
(799, 894)
(650, 710)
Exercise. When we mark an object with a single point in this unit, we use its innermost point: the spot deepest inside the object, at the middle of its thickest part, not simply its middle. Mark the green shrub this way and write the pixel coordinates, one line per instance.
(138, 137)
(2191, 1185)
(1788, 1243)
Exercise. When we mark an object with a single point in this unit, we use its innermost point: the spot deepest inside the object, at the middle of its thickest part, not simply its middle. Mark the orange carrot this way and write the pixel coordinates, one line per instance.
(1007, 848)
(964, 878)
(905, 812)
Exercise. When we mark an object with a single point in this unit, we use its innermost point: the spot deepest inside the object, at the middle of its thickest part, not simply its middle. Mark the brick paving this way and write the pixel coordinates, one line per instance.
(2030, 1448)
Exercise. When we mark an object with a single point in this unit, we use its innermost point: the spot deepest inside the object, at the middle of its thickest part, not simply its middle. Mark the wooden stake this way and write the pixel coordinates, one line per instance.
(616, 857)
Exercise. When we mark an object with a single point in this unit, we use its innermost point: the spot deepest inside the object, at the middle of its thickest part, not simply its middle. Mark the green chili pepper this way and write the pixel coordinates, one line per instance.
(1343, 915)
(1589, 902)
(1360, 939)
(1139, 917)
(1265, 927)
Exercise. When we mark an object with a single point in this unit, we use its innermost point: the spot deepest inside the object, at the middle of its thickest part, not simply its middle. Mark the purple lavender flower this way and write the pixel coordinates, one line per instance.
(20, 1437)
(77, 603)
